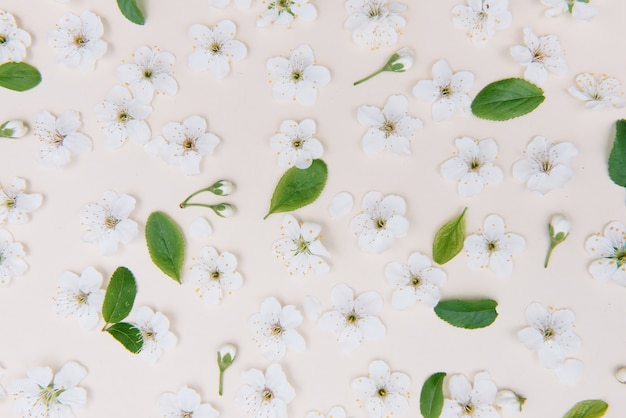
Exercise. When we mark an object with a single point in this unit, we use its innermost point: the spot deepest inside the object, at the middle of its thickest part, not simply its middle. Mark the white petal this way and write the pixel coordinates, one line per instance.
(341, 204)
(570, 372)
(200, 229)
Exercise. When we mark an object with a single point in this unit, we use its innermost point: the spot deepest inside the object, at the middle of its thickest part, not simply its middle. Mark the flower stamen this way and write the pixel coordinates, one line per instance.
(111, 222)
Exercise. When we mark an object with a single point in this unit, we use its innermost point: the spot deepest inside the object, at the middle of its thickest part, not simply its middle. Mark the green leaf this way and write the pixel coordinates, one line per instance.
(431, 398)
(592, 408)
(298, 187)
(469, 314)
(127, 334)
(120, 296)
(166, 244)
(131, 11)
(507, 99)
(19, 76)
(449, 239)
(617, 158)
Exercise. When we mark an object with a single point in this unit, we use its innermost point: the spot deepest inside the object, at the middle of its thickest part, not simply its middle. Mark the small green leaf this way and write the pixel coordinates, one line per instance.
(166, 244)
(131, 11)
(127, 334)
(299, 187)
(507, 99)
(120, 296)
(449, 239)
(468, 314)
(431, 398)
(617, 158)
(592, 408)
(19, 76)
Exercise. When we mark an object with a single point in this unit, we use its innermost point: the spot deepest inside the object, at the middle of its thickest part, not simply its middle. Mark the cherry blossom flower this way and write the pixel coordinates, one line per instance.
(80, 297)
(149, 73)
(11, 258)
(335, 412)
(46, 395)
(107, 221)
(383, 393)
(215, 275)
(301, 249)
(467, 400)
(284, 12)
(220, 4)
(59, 138)
(296, 144)
(184, 144)
(473, 168)
(275, 329)
(297, 78)
(447, 91)
(265, 394)
(15, 204)
(13, 40)
(156, 335)
(598, 91)
(493, 248)
(481, 18)
(185, 403)
(580, 9)
(415, 281)
(611, 252)
(390, 128)
(375, 23)
(540, 55)
(77, 40)
(353, 320)
(215, 48)
(380, 222)
(546, 165)
(13, 128)
(123, 117)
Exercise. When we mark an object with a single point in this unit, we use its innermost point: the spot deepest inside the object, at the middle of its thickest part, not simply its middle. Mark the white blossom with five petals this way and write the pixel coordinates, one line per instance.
(12, 261)
(13, 40)
(375, 23)
(59, 138)
(382, 393)
(215, 48)
(296, 144)
(149, 73)
(15, 204)
(415, 281)
(186, 403)
(80, 297)
(471, 401)
(266, 394)
(215, 275)
(540, 55)
(285, 12)
(155, 330)
(481, 18)
(610, 249)
(598, 91)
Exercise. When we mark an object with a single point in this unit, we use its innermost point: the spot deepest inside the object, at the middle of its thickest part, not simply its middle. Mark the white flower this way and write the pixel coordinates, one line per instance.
(415, 281)
(80, 297)
(375, 23)
(390, 128)
(15, 205)
(122, 117)
(297, 78)
(184, 144)
(214, 275)
(275, 329)
(546, 165)
(150, 72)
(157, 337)
(300, 249)
(284, 12)
(447, 91)
(335, 412)
(14, 128)
(473, 167)
(220, 4)
(551, 334)
(380, 222)
(77, 39)
(580, 9)
(227, 350)
(13, 40)
(493, 248)
(509, 402)
(265, 395)
(383, 393)
(107, 221)
(215, 48)
(559, 224)
(475, 401)
(611, 252)
(353, 320)
(45, 395)
(540, 55)
(598, 91)
(11, 258)
(185, 403)
(59, 139)
(481, 18)
(296, 144)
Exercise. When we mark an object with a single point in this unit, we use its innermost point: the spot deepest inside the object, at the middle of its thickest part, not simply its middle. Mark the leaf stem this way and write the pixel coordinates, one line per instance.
(356, 83)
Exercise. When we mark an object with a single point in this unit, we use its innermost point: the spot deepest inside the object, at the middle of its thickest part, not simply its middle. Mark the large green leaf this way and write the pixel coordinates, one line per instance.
(469, 314)
(120, 296)
(127, 334)
(166, 244)
(617, 158)
(431, 397)
(299, 187)
(131, 11)
(507, 99)
(19, 76)
(449, 239)
(592, 408)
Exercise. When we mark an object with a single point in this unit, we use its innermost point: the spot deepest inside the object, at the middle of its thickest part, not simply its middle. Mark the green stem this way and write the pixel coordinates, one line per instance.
(185, 204)
(182, 205)
(552, 245)
(356, 83)
(221, 385)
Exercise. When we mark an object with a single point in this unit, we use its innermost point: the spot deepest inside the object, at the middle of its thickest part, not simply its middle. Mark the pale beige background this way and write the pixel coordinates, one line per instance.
(241, 111)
